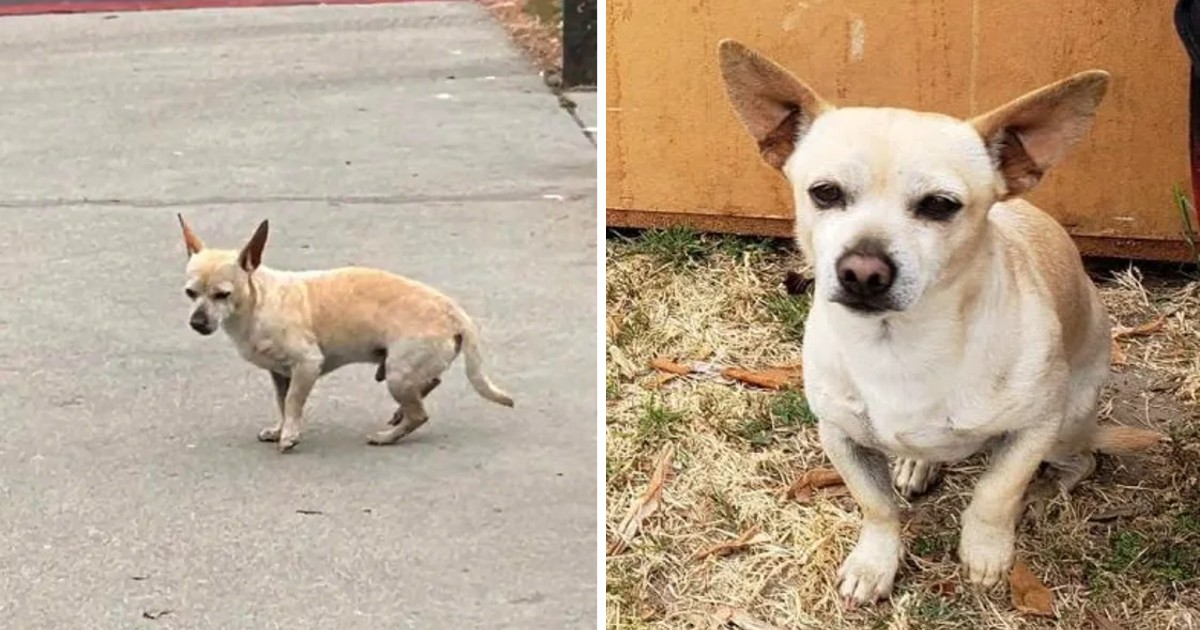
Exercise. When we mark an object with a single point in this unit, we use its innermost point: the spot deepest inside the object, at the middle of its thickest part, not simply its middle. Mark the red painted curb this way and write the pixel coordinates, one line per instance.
(121, 6)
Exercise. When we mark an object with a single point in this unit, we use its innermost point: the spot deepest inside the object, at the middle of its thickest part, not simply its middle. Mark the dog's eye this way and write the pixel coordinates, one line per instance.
(825, 195)
(190, 293)
(220, 295)
(938, 207)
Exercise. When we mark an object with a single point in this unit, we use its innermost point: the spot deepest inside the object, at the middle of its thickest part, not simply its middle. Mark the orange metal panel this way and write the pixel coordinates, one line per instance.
(673, 145)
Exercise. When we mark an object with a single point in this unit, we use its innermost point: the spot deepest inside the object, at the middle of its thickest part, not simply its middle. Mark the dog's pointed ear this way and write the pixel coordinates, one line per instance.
(251, 255)
(190, 240)
(776, 107)
(1032, 133)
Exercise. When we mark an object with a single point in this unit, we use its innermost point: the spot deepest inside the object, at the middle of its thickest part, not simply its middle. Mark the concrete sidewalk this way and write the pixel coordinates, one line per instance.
(411, 137)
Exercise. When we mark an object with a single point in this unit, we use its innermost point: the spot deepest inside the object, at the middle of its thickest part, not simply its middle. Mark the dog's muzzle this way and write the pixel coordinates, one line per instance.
(200, 324)
(865, 276)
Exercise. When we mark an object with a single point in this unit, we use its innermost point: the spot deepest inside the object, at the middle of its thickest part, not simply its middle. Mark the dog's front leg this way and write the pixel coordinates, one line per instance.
(281, 383)
(989, 522)
(869, 570)
(304, 376)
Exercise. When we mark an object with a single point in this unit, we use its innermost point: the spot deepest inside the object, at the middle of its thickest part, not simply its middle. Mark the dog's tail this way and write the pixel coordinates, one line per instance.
(1118, 440)
(473, 355)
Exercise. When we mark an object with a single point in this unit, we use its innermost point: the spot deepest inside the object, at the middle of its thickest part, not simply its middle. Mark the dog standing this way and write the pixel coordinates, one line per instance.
(949, 317)
(300, 326)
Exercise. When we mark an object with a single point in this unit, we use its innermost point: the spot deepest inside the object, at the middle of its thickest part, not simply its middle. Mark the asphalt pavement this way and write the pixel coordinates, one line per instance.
(411, 137)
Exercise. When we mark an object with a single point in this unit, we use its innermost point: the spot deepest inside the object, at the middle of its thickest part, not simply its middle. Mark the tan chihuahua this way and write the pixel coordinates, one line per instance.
(949, 317)
(302, 325)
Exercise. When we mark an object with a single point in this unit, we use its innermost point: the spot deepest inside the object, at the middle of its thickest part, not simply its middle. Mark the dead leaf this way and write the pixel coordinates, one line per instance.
(645, 504)
(1029, 595)
(156, 614)
(726, 616)
(780, 377)
(664, 364)
(1100, 622)
(835, 491)
(723, 549)
(1118, 354)
(1148, 328)
(945, 588)
(801, 490)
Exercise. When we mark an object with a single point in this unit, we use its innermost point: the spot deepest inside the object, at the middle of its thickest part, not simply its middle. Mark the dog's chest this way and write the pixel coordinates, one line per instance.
(931, 407)
(927, 421)
(266, 351)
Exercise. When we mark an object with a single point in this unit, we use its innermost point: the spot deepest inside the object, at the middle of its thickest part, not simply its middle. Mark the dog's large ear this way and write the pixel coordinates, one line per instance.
(776, 107)
(251, 255)
(1034, 132)
(190, 240)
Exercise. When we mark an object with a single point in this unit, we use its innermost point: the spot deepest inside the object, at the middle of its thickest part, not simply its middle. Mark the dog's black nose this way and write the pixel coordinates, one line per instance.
(200, 325)
(865, 272)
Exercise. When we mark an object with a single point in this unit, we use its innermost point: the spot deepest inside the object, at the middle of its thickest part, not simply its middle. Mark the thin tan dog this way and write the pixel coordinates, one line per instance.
(302, 325)
(949, 317)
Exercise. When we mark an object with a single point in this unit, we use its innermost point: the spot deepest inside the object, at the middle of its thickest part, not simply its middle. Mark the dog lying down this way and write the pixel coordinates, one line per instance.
(300, 326)
(949, 317)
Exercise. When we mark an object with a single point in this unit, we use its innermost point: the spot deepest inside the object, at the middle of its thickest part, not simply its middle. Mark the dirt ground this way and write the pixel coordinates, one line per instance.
(1123, 551)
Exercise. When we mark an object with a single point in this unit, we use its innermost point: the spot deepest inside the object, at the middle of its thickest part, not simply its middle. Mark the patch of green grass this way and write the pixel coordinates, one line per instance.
(786, 414)
(675, 247)
(790, 311)
(1126, 547)
(1188, 524)
(790, 408)
(680, 247)
(1100, 584)
(1163, 560)
(932, 608)
(735, 246)
(1173, 563)
(929, 546)
(658, 423)
(758, 431)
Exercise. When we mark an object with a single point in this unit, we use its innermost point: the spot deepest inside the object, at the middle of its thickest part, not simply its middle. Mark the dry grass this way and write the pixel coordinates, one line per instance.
(535, 26)
(1125, 547)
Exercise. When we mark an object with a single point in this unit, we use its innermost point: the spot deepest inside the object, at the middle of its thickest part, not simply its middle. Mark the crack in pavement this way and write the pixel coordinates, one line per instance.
(546, 194)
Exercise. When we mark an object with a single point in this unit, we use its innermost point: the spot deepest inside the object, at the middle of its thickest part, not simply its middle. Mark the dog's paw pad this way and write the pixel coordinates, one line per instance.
(986, 554)
(269, 434)
(914, 477)
(383, 438)
(869, 571)
(865, 582)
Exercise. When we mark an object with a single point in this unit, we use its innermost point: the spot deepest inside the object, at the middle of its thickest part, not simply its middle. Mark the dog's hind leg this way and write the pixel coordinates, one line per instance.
(914, 477)
(399, 415)
(413, 368)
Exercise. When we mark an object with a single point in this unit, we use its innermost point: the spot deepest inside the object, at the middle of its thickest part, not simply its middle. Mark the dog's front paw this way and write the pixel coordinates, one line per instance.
(869, 570)
(986, 551)
(913, 477)
(288, 441)
(269, 434)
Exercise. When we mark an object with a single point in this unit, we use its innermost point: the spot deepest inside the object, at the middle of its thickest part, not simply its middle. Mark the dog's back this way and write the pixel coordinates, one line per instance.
(387, 306)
